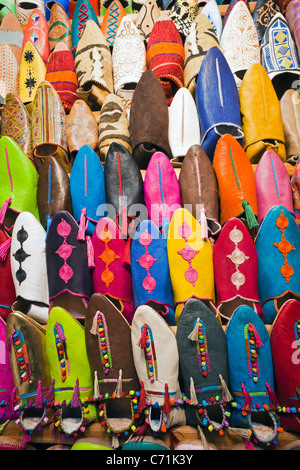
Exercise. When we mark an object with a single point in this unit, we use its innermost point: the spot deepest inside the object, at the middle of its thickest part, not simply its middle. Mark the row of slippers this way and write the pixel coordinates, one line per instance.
(145, 378)
(237, 112)
(116, 198)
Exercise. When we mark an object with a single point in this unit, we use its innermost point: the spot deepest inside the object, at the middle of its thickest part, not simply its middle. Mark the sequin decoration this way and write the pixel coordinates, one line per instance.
(146, 261)
(65, 251)
(21, 355)
(108, 256)
(237, 257)
(284, 247)
(20, 255)
(188, 253)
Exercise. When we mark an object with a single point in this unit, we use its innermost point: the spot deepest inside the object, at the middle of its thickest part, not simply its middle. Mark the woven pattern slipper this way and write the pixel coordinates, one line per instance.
(59, 27)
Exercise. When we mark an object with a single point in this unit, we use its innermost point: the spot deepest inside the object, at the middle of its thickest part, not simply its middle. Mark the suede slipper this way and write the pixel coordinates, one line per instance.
(251, 377)
(199, 191)
(211, 10)
(111, 362)
(272, 184)
(231, 5)
(292, 16)
(70, 372)
(290, 113)
(29, 268)
(203, 367)
(60, 28)
(26, 342)
(111, 274)
(32, 73)
(156, 360)
(69, 275)
(295, 180)
(190, 262)
(236, 270)
(161, 192)
(8, 293)
(112, 18)
(87, 189)
(263, 12)
(151, 283)
(146, 18)
(285, 332)
(278, 245)
(81, 128)
(83, 13)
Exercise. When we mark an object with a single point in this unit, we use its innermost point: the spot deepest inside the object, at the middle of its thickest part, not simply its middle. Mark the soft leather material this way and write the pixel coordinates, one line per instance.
(53, 191)
(146, 18)
(290, 113)
(29, 268)
(28, 359)
(83, 12)
(32, 72)
(124, 189)
(69, 276)
(149, 120)
(295, 182)
(151, 283)
(292, 16)
(36, 31)
(217, 102)
(184, 129)
(285, 332)
(81, 128)
(59, 27)
(111, 363)
(279, 55)
(24, 10)
(161, 191)
(111, 275)
(16, 124)
(236, 270)
(87, 189)
(70, 371)
(261, 117)
(211, 10)
(18, 182)
(64, 4)
(199, 190)
(273, 184)
(111, 21)
(239, 41)
(8, 293)
(190, 261)
(277, 245)
(8, 390)
(203, 365)
(251, 378)
(263, 12)
(200, 39)
(158, 370)
(230, 7)
(236, 182)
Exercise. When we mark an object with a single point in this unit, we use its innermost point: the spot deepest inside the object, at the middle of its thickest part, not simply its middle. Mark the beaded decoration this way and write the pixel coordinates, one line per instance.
(252, 341)
(60, 342)
(146, 342)
(21, 355)
(199, 334)
(284, 246)
(103, 340)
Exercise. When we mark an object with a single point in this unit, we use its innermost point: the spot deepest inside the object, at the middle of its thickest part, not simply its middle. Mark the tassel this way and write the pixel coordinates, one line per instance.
(142, 340)
(273, 399)
(247, 399)
(75, 398)
(141, 431)
(193, 336)
(225, 391)
(39, 397)
(203, 223)
(126, 254)
(4, 249)
(142, 399)
(90, 252)
(115, 442)
(49, 220)
(124, 226)
(50, 394)
(26, 439)
(96, 385)
(3, 209)
(249, 445)
(167, 405)
(203, 438)
(60, 332)
(10, 405)
(118, 390)
(82, 225)
(250, 217)
(193, 395)
(258, 341)
(94, 329)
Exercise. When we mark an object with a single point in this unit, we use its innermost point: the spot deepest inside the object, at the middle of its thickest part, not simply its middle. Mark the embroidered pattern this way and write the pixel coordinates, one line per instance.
(61, 348)
(146, 261)
(21, 355)
(252, 342)
(202, 349)
(284, 246)
(150, 354)
(188, 253)
(65, 251)
(20, 255)
(108, 256)
(104, 345)
(113, 23)
(237, 257)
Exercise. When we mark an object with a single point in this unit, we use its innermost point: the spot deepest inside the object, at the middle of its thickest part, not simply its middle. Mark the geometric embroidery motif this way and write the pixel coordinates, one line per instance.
(146, 261)
(20, 255)
(108, 256)
(237, 257)
(65, 250)
(188, 253)
(284, 247)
